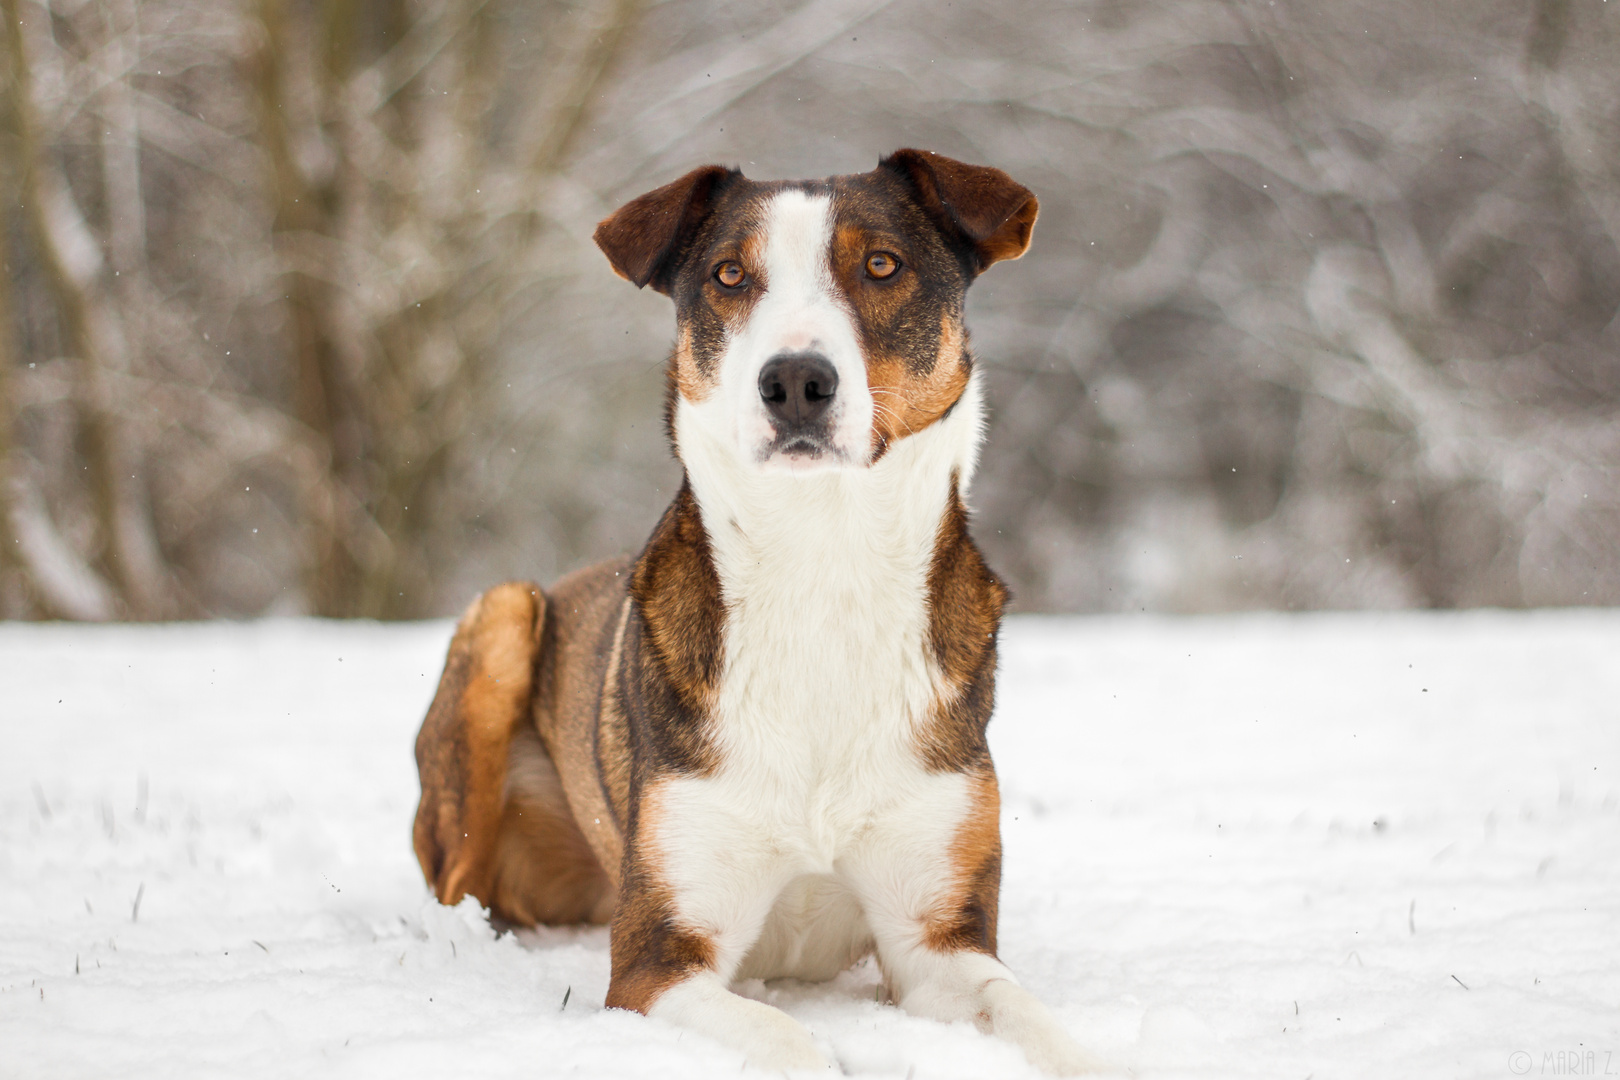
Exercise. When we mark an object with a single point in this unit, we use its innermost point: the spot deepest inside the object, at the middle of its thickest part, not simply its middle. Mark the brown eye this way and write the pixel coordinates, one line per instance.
(730, 275)
(881, 265)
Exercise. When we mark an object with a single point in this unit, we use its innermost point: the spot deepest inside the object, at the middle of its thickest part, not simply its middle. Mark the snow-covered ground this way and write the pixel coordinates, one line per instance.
(1269, 846)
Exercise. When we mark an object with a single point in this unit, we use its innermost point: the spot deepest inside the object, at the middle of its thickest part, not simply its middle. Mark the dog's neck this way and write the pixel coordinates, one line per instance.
(825, 585)
(785, 537)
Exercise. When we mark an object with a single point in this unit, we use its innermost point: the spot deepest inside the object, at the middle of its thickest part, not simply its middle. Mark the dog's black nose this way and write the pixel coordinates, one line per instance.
(798, 389)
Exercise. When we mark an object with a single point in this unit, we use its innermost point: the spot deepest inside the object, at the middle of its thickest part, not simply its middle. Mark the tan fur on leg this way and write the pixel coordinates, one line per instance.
(544, 870)
(461, 751)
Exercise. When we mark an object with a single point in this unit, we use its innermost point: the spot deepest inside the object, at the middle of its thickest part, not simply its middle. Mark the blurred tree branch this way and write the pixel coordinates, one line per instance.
(393, 212)
(71, 262)
(1323, 309)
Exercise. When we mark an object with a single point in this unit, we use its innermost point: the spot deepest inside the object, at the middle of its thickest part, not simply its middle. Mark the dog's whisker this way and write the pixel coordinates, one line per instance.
(884, 410)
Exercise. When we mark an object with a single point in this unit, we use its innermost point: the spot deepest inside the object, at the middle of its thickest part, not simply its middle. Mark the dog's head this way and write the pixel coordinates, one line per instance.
(818, 322)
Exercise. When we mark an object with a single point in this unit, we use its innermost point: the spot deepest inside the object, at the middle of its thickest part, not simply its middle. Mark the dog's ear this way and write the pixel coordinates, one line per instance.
(983, 207)
(644, 237)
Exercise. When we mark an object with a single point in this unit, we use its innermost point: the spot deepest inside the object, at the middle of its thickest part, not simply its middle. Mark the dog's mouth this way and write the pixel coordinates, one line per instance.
(801, 447)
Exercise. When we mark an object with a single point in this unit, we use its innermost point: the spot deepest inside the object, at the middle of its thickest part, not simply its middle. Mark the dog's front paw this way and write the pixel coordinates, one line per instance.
(768, 1037)
(771, 1039)
(787, 1050)
(1062, 1056)
(1018, 1017)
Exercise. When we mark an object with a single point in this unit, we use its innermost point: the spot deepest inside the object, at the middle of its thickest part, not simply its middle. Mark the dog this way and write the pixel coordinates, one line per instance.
(758, 748)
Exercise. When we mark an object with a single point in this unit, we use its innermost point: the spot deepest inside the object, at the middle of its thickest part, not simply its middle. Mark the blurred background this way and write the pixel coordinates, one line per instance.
(300, 312)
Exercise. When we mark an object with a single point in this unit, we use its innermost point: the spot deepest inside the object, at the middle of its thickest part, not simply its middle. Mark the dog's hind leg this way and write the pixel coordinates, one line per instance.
(462, 749)
(544, 869)
(493, 821)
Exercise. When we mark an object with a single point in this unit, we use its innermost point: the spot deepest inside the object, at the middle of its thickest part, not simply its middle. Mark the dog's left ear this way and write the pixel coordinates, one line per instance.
(986, 208)
(644, 238)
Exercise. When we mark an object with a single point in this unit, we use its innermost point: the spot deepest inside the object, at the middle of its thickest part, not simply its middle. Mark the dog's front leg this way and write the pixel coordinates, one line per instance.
(976, 987)
(930, 881)
(695, 894)
(768, 1037)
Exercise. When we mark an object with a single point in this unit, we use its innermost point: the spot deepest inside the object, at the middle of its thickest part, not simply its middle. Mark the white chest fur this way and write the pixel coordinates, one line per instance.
(828, 670)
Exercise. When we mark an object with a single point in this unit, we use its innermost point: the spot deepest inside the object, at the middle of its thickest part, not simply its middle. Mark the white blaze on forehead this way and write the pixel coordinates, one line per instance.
(800, 310)
(798, 271)
(802, 307)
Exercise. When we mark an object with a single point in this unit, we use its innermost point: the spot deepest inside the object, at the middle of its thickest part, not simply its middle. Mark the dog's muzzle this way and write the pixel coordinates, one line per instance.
(797, 390)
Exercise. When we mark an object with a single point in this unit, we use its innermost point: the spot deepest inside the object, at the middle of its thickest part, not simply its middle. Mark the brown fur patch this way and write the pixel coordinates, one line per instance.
(993, 213)
(966, 919)
(909, 322)
(965, 601)
(651, 951)
(645, 238)
(707, 313)
(905, 400)
(688, 378)
(544, 870)
(677, 595)
(584, 614)
(610, 742)
(461, 750)
(668, 669)
(751, 251)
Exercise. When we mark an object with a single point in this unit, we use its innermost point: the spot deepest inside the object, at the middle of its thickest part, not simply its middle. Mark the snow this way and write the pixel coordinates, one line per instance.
(1263, 846)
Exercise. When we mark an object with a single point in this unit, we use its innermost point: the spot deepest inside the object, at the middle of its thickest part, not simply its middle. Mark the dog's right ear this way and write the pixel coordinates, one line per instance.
(645, 236)
(982, 207)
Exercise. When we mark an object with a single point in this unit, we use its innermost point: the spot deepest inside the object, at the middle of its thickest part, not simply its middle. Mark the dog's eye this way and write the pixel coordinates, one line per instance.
(881, 264)
(730, 275)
